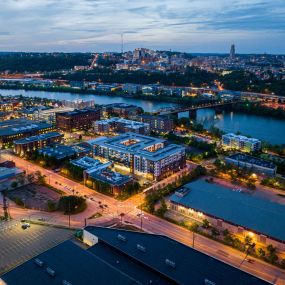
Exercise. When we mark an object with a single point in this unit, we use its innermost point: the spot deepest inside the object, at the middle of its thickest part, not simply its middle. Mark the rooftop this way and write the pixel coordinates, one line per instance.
(38, 138)
(20, 126)
(252, 160)
(120, 105)
(59, 151)
(241, 138)
(170, 259)
(127, 123)
(78, 112)
(70, 264)
(137, 144)
(6, 172)
(253, 213)
(109, 176)
(89, 163)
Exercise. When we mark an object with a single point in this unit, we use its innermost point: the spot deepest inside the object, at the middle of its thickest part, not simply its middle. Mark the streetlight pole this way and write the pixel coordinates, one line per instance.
(69, 213)
(193, 239)
(251, 246)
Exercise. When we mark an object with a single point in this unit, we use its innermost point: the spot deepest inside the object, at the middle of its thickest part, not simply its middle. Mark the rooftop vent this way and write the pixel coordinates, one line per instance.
(50, 271)
(39, 262)
(64, 282)
(121, 237)
(209, 282)
(169, 262)
(141, 248)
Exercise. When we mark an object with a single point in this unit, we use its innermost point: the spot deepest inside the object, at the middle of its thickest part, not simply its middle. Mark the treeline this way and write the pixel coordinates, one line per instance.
(32, 62)
(258, 109)
(245, 81)
(108, 75)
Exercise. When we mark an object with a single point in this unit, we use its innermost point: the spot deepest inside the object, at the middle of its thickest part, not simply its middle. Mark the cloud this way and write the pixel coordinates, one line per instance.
(196, 25)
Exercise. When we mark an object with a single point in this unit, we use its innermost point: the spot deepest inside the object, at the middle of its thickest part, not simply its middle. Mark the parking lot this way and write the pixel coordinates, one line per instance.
(18, 245)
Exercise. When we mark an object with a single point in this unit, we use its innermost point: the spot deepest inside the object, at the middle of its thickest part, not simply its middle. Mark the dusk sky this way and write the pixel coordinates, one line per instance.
(255, 26)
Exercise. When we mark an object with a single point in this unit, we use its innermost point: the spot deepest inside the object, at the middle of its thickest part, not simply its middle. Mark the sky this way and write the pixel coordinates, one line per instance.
(254, 26)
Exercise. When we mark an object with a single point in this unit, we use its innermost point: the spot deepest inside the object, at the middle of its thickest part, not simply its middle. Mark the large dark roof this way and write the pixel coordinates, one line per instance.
(121, 261)
(254, 213)
(70, 263)
(189, 266)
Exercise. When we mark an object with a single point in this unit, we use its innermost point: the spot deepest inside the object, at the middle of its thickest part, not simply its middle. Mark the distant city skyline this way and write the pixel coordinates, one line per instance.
(97, 25)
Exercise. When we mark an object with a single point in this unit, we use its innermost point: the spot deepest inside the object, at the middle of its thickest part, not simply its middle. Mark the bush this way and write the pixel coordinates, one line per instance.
(14, 184)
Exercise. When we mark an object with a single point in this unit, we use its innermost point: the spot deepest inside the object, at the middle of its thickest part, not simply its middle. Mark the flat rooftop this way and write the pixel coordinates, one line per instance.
(252, 160)
(109, 176)
(127, 123)
(19, 126)
(89, 163)
(78, 112)
(38, 138)
(254, 213)
(120, 105)
(241, 138)
(188, 266)
(58, 151)
(71, 264)
(136, 144)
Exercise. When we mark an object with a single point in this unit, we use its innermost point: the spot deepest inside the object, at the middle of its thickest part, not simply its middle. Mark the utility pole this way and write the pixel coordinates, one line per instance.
(69, 213)
(5, 206)
(193, 239)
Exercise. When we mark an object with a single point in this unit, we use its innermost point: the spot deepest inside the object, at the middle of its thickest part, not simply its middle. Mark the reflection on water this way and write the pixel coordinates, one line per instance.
(264, 128)
(148, 106)
(267, 129)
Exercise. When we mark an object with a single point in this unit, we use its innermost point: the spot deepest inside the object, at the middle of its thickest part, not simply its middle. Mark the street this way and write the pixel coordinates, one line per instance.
(149, 222)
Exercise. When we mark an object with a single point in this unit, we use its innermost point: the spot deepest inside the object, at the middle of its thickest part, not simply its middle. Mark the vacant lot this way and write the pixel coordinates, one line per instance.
(34, 196)
(18, 245)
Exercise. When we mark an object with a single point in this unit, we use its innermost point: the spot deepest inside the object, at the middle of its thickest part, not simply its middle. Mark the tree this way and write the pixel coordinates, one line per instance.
(261, 253)
(194, 227)
(122, 216)
(162, 209)
(215, 232)
(272, 256)
(31, 178)
(72, 204)
(248, 241)
(14, 184)
(226, 232)
(41, 179)
(205, 224)
(51, 206)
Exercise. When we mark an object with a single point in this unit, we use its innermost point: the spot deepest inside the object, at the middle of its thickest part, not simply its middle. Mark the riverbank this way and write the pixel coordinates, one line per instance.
(116, 93)
(258, 110)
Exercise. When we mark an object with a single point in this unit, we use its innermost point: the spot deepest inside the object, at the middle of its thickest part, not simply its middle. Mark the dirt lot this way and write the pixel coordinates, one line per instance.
(34, 196)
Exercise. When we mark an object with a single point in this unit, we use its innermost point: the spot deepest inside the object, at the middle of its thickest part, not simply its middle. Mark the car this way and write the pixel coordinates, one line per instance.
(25, 226)
(250, 260)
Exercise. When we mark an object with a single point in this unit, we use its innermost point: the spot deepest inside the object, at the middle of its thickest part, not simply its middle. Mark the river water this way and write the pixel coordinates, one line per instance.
(267, 129)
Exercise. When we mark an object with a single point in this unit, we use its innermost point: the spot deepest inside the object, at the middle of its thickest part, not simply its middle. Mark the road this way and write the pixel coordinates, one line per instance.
(150, 223)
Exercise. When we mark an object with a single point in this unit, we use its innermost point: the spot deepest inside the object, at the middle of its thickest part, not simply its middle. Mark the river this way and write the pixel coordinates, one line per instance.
(147, 105)
(267, 129)
(264, 128)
